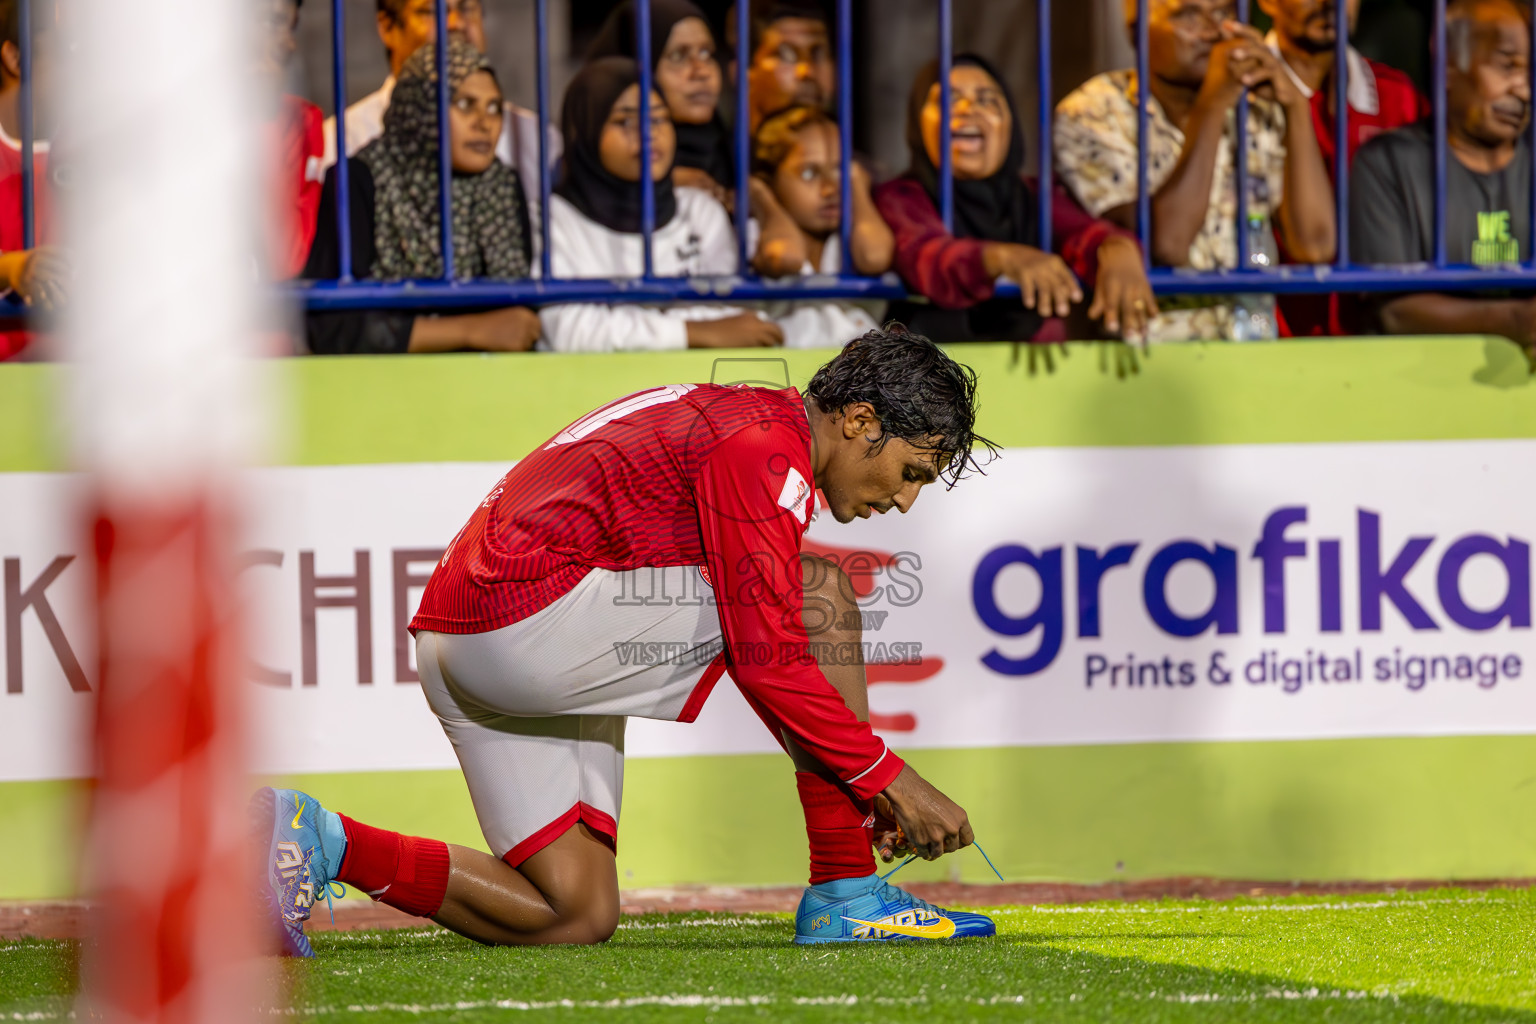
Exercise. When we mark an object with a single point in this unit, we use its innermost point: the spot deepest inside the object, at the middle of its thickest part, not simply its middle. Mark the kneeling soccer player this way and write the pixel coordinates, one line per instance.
(520, 630)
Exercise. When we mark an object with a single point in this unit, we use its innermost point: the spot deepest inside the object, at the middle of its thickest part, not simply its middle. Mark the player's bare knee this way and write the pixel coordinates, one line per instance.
(603, 924)
(592, 923)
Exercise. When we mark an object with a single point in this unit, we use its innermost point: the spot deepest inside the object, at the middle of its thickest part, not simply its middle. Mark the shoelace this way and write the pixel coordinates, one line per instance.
(884, 884)
(327, 890)
(984, 857)
(901, 837)
(888, 892)
(910, 858)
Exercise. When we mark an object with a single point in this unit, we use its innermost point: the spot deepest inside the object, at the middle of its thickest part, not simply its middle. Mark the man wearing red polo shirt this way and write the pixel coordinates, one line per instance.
(1380, 99)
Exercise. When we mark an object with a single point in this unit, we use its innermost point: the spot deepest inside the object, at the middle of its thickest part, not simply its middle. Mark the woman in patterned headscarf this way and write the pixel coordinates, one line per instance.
(395, 215)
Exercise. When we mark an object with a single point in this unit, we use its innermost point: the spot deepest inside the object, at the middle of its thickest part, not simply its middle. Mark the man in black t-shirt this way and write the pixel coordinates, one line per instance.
(1488, 180)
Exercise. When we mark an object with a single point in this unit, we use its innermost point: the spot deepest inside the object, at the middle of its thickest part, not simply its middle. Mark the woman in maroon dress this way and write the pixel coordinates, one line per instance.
(995, 231)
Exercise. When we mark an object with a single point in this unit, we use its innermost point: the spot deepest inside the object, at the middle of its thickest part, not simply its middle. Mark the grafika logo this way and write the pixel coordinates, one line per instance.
(1381, 579)
(1494, 245)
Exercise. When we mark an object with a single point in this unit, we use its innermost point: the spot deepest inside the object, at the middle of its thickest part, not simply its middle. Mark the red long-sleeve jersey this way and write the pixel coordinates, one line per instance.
(688, 474)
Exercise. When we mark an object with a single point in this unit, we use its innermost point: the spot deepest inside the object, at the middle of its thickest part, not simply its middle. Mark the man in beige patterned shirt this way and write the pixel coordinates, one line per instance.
(1201, 60)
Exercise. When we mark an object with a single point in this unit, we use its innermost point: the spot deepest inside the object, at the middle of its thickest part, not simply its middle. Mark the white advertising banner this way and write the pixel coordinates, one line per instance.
(1068, 596)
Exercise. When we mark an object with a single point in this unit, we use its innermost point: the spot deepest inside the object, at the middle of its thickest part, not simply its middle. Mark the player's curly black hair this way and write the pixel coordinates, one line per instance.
(920, 394)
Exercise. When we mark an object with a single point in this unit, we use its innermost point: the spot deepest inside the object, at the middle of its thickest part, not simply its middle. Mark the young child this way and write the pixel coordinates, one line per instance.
(796, 198)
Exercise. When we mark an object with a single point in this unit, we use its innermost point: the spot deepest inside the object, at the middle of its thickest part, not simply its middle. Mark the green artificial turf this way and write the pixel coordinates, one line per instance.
(1443, 955)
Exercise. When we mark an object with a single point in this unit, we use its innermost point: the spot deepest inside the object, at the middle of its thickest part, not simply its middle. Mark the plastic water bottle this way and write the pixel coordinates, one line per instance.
(1253, 314)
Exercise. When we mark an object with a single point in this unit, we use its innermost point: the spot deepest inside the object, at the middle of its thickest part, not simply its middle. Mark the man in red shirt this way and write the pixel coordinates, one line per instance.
(1380, 99)
(292, 144)
(621, 569)
(35, 275)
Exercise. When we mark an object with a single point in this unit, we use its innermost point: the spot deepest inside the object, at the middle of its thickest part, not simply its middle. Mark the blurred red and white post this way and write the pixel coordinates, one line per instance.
(161, 332)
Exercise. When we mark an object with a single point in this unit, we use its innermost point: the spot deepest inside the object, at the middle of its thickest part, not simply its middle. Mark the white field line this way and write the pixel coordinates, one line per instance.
(714, 1002)
(442, 933)
(1253, 908)
(1274, 993)
(676, 1000)
(360, 935)
(756, 922)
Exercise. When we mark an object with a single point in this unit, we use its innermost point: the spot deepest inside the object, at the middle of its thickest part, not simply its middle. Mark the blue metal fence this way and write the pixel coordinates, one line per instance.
(448, 292)
(1341, 275)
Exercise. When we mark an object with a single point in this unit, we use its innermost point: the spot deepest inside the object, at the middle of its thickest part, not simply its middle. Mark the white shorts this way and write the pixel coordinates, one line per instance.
(535, 710)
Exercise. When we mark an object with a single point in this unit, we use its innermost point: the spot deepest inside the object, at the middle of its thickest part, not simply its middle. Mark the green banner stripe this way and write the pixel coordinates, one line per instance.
(29, 419)
(472, 407)
(1375, 809)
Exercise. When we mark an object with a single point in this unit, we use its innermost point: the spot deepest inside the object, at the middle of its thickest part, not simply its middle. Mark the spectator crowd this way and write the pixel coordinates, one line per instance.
(1089, 282)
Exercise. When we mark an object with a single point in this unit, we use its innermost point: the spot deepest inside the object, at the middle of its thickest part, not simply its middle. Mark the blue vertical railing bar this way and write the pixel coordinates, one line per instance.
(743, 130)
(946, 158)
(647, 179)
(1143, 105)
(1531, 256)
(541, 38)
(343, 188)
(28, 185)
(845, 130)
(1240, 161)
(444, 150)
(1046, 94)
(1341, 132)
(1438, 79)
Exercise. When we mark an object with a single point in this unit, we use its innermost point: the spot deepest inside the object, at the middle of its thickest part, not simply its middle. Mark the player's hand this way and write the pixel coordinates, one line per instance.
(693, 177)
(1045, 283)
(514, 329)
(1123, 297)
(1523, 328)
(934, 824)
(744, 330)
(44, 277)
(889, 840)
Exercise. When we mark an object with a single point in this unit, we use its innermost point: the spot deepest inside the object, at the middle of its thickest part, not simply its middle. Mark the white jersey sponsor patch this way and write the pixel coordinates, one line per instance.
(796, 495)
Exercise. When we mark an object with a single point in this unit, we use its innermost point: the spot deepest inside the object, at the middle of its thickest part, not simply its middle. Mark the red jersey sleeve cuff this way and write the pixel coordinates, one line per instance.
(877, 776)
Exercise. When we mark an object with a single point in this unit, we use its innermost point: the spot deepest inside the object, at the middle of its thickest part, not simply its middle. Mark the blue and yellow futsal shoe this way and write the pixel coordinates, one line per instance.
(870, 909)
(303, 847)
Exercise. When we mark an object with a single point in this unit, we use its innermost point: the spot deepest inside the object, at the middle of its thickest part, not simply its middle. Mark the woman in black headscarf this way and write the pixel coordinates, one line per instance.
(395, 215)
(688, 77)
(594, 226)
(995, 230)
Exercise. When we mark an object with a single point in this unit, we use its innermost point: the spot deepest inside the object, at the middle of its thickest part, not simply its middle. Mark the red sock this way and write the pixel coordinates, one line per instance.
(405, 872)
(836, 822)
